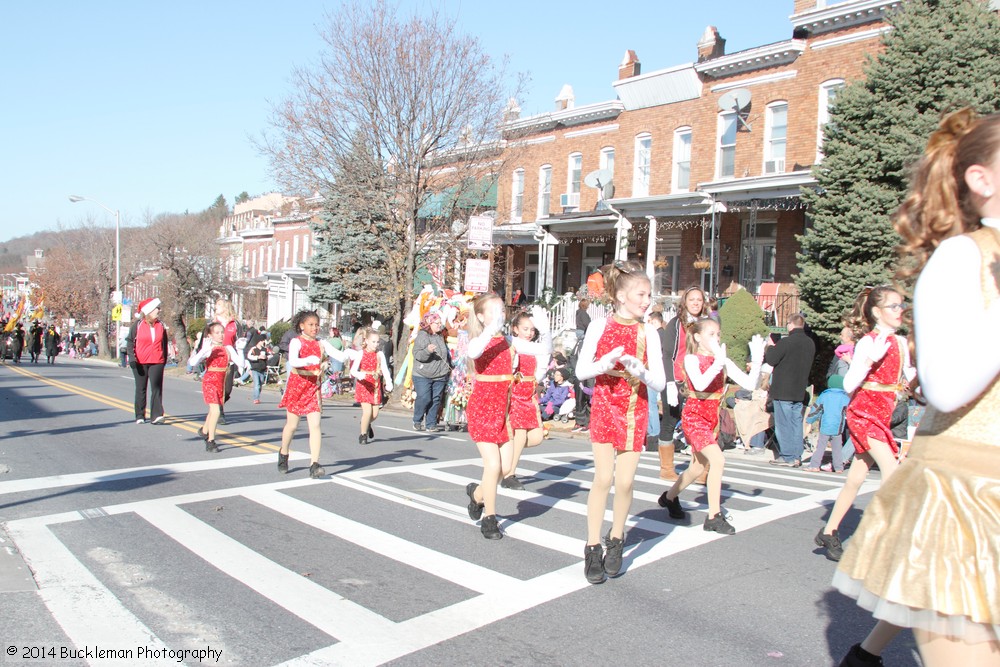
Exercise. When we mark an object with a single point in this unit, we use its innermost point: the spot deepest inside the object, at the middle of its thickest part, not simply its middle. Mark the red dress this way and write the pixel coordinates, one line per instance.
(869, 414)
(489, 403)
(214, 380)
(524, 411)
(302, 392)
(619, 409)
(700, 417)
(369, 390)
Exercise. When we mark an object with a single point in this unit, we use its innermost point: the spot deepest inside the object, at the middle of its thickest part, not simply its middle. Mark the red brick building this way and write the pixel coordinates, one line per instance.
(707, 160)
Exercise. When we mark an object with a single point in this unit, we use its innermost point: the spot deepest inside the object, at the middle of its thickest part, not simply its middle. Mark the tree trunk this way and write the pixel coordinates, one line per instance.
(180, 338)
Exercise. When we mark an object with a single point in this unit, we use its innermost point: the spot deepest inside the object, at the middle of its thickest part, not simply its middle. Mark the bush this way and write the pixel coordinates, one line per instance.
(277, 330)
(741, 319)
(195, 327)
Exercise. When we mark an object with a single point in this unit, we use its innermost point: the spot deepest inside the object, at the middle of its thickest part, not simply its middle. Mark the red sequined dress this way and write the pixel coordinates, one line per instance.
(700, 417)
(302, 392)
(214, 380)
(869, 414)
(489, 403)
(524, 411)
(619, 410)
(369, 390)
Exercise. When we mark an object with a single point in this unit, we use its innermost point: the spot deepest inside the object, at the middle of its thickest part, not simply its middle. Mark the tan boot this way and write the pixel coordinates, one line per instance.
(703, 477)
(667, 462)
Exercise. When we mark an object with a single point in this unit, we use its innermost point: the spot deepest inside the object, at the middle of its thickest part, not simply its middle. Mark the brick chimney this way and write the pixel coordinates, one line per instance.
(566, 99)
(711, 45)
(512, 111)
(630, 66)
(806, 5)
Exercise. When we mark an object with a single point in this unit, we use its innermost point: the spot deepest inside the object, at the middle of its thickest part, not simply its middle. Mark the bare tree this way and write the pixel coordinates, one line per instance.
(412, 105)
(183, 249)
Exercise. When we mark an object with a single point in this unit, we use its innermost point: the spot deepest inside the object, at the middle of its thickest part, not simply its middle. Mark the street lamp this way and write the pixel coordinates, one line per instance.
(118, 280)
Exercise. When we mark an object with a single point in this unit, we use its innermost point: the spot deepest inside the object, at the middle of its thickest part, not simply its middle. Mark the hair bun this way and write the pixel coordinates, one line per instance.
(952, 128)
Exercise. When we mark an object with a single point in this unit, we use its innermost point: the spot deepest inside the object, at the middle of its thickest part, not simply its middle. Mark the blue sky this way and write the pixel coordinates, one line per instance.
(148, 106)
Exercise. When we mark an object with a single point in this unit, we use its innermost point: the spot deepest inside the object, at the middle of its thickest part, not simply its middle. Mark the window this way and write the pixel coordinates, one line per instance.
(681, 177)
(726, 163)
(544, 190)
(758, 261)
(593, 258)
(827, 94)
(643, 154)
(295, 250)
(574, 177)
(775, 138)
(666, 266)
(517, 195)
(531, 274)
(607, 159)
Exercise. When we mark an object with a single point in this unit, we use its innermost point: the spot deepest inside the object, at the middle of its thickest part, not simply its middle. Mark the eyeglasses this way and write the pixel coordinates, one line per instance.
(894, 306)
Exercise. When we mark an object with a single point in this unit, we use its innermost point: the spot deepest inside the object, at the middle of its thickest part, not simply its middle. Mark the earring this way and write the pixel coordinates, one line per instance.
(988, 194)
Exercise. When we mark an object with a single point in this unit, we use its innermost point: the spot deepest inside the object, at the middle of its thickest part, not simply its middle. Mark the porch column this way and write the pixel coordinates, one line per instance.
(621, 238)
(651, 247)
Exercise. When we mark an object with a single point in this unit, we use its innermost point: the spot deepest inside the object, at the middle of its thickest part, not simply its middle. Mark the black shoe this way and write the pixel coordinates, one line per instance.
(202, 434)
(362, 439)
(316, 470)
(282, 462)
(489, 528)
(371, 433)
(222, 418)
(593, 563)
(834, 549)
(613, 556)
(475, 507)
(858, 657)
(719, 524)
(210, 446)
(418, 427)
(673, 506)
(511, 482)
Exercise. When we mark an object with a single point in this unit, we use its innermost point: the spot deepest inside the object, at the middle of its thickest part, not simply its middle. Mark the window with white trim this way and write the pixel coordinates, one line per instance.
(573, 179)
(643, 159)
(827, 94)
(517, 195)
(531, 274)
(607, 159)
(681, 177)
(544, 190)
(775, 137)
(725, 165)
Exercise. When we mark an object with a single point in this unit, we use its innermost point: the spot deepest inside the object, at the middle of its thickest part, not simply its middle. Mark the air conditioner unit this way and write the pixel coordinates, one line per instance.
(774, 166)
(570, 200)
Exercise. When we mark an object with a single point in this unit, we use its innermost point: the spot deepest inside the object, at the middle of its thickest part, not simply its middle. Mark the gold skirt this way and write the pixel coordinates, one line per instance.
(927, 552)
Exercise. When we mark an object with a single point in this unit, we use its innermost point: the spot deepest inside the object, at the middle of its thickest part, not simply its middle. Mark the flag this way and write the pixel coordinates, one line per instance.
(39, 313)
(15, 317)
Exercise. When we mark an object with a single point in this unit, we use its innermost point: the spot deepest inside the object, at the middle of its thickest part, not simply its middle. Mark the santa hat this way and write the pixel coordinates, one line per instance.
(149, 305)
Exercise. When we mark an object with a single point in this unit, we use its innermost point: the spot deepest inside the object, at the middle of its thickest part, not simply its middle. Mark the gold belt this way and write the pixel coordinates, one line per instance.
(875, 386)
(706, 396)
(494, 378)
(299, 371)
(216, 370)
(632, 380)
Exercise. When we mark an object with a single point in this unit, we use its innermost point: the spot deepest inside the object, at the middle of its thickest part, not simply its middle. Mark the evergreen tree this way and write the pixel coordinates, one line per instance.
(939, 56)
(742, 319)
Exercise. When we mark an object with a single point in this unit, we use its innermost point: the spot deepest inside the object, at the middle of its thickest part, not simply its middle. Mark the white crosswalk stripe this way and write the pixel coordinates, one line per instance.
(87, 610)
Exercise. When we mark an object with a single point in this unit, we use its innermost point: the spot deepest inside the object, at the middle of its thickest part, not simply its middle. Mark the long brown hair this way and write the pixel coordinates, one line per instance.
(860, 320)
(480, 306)
(621, 274)
(940, 204)
(696, 327)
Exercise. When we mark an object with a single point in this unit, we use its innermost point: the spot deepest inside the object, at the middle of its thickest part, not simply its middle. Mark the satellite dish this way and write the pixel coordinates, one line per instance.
(598, 179)
(737, 101)
(608, 191)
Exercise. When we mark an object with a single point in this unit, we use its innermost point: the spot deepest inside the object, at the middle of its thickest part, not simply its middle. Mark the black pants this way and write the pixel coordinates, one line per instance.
(230, 375)
(151, 375)
(671, 415)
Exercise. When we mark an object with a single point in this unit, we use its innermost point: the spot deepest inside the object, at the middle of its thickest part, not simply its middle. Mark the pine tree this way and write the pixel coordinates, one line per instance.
(939, 56)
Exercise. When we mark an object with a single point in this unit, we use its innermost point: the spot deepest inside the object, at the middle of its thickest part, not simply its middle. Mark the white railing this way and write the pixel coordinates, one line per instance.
(562, 315)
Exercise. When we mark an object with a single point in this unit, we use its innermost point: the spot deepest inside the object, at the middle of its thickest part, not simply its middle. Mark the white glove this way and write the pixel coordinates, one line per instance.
(879, 347)
(720, 354)
(312, 361)
(634, 367)
(608, 361)
(388, 386)
(672, 398)
(757, 345)
(359, 375)
(540, 319)
(498, 317)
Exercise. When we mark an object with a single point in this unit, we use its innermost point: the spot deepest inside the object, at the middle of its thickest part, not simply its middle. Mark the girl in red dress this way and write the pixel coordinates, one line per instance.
(623, 354)
(307, 362)
(370, 370)
(879, 371)
(525, 415)
(706, 368)
(491, 359)
(217, 358)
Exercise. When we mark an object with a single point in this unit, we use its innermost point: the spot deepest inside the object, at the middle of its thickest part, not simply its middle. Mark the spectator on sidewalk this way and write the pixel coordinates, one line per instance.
(792, 358)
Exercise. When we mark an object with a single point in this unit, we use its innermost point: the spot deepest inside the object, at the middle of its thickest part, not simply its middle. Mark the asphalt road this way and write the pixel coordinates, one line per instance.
(131, 538)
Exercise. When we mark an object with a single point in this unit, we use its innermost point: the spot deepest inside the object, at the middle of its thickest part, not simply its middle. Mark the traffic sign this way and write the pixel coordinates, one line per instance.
(116, 313)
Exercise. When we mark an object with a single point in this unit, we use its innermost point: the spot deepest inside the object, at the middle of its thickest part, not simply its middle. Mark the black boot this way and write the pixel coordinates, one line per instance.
(210, 446)
(673, 506)
(489, 528)
(719, 524)
(282, 462)
(613, 555)
(362, 439)
(593, 563)
(834, 549)
(475, 507)
(858, 657)
(371, 433)
(316, 470)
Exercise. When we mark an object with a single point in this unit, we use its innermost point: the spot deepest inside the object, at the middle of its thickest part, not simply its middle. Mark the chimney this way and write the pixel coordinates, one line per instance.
(629, 66)
(512, 111)
(806, 5)
(711, 45)
(565, 99)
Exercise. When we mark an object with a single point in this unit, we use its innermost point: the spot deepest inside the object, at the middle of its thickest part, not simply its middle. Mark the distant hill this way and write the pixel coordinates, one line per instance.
(13, 252)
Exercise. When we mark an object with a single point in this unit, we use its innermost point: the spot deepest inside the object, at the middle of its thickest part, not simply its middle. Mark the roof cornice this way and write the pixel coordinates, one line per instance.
(588, 113)
(769, 55)
(843, 15)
